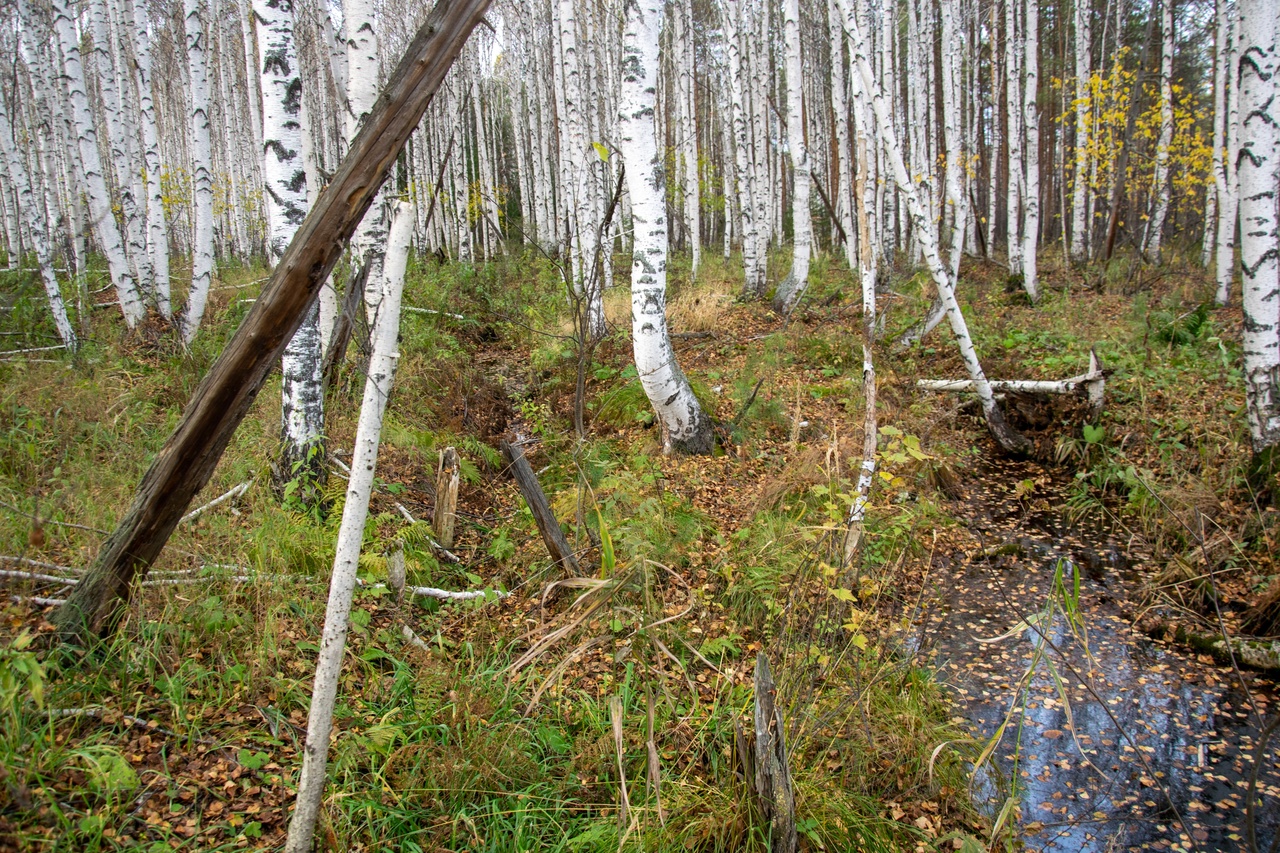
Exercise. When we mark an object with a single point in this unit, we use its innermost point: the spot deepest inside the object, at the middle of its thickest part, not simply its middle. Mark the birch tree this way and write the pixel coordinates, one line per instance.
(157, 231)
(685, 427)
(1258, 162)
(284, 175)
(1007, 437)
(1225, 136)
(202, 179)
(1160, 188)
(1030, 39)
(793, 286)
(355, 511)
(744, 168)
(1080, 225)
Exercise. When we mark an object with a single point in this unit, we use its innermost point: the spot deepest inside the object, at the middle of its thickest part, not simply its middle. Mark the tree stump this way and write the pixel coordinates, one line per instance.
(445, 516)
(772, 768)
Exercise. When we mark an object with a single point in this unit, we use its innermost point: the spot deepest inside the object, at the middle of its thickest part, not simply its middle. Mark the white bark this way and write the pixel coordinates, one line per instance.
(793, 286)
(682, 45)
(361, 28)
(1031, 168)
(745, 171)
(302, 402)
(685, 428)
(1161, 189)
(104, 222)
(113, 109)
(957, 201)
(1079, 224)
(1258, 161)
(284, 177)
(1226, 131)
(377, 389)
(1014, 133)
(157, 232)
(19, 179)
(202, 178)
(843, 192)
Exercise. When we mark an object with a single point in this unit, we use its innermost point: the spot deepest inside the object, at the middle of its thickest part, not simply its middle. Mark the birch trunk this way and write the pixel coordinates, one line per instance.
(284, 173)
(957, 201)
(1258, 162)
(1014, 135)
(202, 179)
(110, 101)
(853, 243)
(1031, 124)
(1225, 149)
(1009, 439)
(745, 172)
(377, 390)
(685, 427)
(105, 227)
(361, 87)
(793, 286)
(1215, 192)
(1160, 189)
(1079, 222)
(157, 232)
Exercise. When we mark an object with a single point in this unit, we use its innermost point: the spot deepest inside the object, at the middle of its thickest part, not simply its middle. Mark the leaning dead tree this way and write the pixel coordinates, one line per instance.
(188, 458)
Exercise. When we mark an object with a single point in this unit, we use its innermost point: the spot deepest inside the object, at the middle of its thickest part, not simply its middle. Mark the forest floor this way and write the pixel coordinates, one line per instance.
(613, 710)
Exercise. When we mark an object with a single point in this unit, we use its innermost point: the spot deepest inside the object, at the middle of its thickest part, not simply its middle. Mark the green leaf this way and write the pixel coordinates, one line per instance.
(1093, 434)
(890, 430)
(843, 594)
(860, 640)
(601, 151)
(252, 760)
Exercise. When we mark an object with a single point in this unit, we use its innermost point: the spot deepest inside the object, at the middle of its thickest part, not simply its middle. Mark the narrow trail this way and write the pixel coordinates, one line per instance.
(1157, 746)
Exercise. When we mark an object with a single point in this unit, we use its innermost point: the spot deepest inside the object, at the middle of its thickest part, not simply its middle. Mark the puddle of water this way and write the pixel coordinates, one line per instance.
(1156, 748)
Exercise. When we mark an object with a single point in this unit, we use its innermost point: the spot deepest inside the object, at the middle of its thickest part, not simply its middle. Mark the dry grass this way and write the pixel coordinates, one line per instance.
(700, 307)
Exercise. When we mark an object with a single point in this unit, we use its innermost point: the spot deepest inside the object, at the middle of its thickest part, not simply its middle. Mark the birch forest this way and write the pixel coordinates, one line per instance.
(629, 424)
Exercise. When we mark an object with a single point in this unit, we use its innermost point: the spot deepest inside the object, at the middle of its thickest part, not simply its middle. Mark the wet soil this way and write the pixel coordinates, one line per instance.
(1122, 743)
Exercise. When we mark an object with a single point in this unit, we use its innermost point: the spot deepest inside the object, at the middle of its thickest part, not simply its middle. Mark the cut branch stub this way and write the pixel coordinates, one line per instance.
(189, 457)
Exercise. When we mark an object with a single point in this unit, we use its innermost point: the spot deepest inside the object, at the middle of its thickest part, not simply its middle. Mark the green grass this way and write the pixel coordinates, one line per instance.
(446, 748)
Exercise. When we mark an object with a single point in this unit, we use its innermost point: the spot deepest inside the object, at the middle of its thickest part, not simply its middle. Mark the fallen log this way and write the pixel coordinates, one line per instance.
(1093, 382)
(548, 526)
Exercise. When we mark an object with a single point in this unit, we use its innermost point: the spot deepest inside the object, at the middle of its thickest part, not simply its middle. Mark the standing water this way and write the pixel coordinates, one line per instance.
(1113, 742)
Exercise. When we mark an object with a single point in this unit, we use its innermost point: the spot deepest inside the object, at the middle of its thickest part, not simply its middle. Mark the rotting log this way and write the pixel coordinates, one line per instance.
(187, 460)
(1094, 383)
(552, 536)
(445, 516)
(772, 766)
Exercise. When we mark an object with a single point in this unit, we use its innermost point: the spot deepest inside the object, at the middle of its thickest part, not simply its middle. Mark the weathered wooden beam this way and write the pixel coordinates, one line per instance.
(552, 536)
(189, 457)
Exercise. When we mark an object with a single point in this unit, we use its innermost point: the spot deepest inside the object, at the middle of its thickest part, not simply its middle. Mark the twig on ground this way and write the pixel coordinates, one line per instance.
(234, 492)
